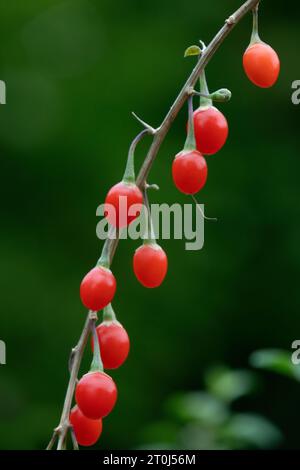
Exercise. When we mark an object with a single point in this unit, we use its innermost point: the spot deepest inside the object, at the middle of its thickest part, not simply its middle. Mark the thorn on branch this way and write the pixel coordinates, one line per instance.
(149, 128)
(71, 358)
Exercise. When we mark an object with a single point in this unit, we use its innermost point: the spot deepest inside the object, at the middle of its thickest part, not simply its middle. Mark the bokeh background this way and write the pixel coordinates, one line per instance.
(74, 70)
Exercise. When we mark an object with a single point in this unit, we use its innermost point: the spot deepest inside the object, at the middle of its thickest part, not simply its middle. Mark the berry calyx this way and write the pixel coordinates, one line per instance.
(261, 63)
(150, 265)
(123, 203)
(98, 288)
(87, 431)
(113, 341)
(96, 395)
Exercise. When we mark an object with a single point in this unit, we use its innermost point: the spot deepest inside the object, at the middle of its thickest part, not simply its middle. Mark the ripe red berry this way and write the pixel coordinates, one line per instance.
(96, 395)
(261, 64)
(123, 204)
(97, 288)
(150, 265)
(114, 344)
(87, 431)
(211, 130)
(189, 171)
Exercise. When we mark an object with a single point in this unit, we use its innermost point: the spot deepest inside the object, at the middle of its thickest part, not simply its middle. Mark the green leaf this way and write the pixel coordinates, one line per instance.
(230, 385)
(275, 360)
(192, 50)
(198, 406)
(251, 431)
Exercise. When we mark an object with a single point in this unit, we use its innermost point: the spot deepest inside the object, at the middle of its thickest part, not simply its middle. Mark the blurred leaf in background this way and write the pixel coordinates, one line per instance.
(207, 420)
(276, 360)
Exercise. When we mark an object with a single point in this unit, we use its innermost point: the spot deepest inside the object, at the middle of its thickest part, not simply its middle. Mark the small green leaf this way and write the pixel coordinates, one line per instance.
(276, 360)
(192, 50)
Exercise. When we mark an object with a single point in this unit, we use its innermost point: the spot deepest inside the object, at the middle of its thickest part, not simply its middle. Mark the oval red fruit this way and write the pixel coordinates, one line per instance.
(114, 344)
(96, 395)
(123, 204)
(87, 431)
(98, 288)
(261, 64)
(189, 171)
(150, 265)
(211, 130)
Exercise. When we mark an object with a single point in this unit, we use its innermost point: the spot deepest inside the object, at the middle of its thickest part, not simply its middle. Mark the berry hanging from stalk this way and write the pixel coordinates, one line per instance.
(189, 167)
(113, 340)
(98, 287)
(150, 262)
(261, 63)
(210, 125)
(87, 431)
(124, 201)
(96, 392)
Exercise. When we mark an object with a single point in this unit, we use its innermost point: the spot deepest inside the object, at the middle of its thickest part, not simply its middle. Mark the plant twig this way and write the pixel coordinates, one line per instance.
(159, 135)
(61, 430)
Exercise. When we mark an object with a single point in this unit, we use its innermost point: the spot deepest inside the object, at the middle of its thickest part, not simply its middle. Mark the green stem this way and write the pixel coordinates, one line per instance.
(104, 260)
(190, 143)
(129, 175)
(109, 314)
(255, 36)
(97, 365)
(150, 238)
(205, 102)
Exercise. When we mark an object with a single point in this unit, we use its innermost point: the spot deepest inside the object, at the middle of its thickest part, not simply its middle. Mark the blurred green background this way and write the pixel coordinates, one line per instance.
(74, 71)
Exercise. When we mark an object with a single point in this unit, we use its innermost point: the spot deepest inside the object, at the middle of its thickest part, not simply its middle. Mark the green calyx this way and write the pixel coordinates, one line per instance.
(104, 260)
(150, 235)
(190, 143)
(205, 99)
(96, 365)
(109, 314)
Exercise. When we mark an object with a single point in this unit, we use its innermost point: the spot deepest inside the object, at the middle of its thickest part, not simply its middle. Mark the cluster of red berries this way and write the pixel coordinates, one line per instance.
(96, 392)
(207, 126)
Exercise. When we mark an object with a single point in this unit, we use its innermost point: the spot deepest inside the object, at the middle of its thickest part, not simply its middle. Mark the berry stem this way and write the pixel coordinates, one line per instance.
(129, 175)
(190, 143)
(104, 260)
(150, 236)
(255, 35)
(205, 100)
(97, 365)
(109, 314)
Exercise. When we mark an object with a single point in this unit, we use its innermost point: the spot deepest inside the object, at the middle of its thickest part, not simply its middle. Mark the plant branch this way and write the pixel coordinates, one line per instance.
(159, 135)
(61, 430)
